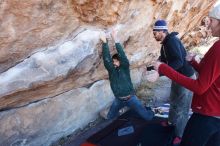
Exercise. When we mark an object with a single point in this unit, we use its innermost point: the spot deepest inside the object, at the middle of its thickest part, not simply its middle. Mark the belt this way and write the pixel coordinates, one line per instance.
(125, 98)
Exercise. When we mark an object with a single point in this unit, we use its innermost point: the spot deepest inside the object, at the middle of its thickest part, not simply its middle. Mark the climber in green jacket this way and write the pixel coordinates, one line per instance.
(120, 81)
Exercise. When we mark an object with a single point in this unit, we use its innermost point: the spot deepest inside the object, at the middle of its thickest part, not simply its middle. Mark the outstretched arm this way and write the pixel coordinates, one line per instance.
(106, 53)
(123, 58)
(209, 72)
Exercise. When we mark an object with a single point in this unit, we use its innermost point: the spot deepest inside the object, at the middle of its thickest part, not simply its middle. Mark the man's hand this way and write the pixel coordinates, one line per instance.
(152, 76)
(156, 65)
(190, 57)
(103, 37)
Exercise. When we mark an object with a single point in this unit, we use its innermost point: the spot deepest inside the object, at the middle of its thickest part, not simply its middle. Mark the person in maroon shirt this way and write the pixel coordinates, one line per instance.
(203, 127)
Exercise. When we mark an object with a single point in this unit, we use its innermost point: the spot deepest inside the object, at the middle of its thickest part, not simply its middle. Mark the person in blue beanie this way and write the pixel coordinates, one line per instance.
(173, 53)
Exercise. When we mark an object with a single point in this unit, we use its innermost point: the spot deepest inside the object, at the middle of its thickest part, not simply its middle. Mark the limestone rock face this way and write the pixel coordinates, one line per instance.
(29, 26)
(102, 11)
(44, 121)
(47, 68)
(199, 35)
(40, 123)
(51, 62)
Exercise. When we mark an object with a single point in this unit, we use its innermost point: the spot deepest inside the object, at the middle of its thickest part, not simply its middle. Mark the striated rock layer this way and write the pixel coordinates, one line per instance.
(50, 58)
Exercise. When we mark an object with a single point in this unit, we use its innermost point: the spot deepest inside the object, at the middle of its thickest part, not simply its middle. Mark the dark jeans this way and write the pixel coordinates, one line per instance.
(201, 130)
(134, 103)
(180, 102)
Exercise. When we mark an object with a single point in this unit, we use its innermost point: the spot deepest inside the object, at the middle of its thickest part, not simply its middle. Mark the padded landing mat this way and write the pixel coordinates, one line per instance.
(131, 130)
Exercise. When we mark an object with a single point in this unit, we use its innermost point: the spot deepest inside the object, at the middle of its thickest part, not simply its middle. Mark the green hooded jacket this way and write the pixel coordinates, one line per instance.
(119, 77)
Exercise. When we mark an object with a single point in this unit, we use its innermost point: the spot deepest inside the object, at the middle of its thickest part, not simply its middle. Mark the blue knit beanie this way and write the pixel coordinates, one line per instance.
(160, 25)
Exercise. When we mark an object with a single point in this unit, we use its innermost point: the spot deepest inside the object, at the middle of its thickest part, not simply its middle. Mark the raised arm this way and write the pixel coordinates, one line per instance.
(106, 54)
(123, 58)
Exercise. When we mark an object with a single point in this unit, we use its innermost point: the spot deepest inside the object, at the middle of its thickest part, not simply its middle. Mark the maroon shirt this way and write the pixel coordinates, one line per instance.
(206, 88)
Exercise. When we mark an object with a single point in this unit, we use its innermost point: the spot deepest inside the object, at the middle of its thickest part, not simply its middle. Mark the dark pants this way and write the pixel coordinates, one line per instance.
(134, 103)
(201, 131)
(180, 102)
